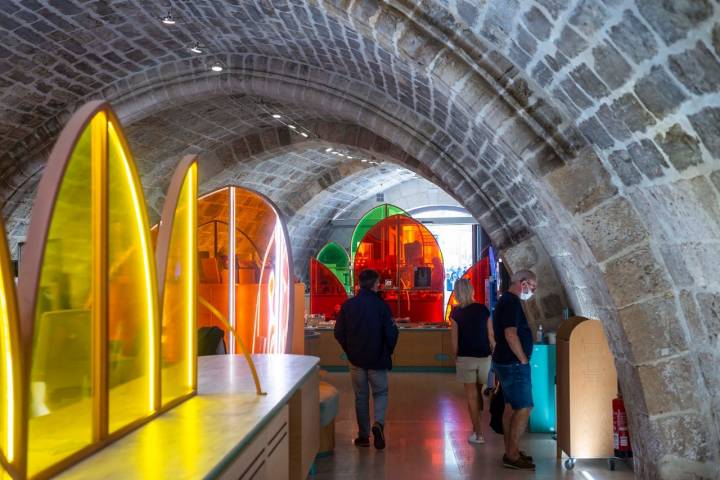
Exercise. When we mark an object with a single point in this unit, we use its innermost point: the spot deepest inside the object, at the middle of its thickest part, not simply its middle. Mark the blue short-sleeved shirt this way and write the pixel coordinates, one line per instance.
(509, 313)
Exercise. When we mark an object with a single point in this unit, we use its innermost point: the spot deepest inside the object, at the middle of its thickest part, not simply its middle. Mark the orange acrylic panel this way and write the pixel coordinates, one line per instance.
(407, 257)
(477, 274)
(327, 294)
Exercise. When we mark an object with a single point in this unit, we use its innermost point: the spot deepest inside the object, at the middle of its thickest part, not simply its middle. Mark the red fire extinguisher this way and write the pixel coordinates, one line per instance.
(621, 433)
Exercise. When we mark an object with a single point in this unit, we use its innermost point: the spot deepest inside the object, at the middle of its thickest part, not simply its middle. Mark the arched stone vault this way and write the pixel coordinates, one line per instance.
(586, 131)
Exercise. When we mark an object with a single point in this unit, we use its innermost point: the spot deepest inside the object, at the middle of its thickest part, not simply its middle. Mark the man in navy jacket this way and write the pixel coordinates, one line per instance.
(368, 336)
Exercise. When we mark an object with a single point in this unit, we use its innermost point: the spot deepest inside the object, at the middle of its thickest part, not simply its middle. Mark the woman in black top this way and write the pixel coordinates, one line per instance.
(473, 341)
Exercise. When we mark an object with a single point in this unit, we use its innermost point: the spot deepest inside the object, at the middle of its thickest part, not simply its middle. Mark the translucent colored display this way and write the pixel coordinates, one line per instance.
(255, 289)
(327, 294)
(66, 312)
(132, 307)
(179, 295)
(477, 274)
(410, 264)
(9, 358)
(368, 221)
(336, 259)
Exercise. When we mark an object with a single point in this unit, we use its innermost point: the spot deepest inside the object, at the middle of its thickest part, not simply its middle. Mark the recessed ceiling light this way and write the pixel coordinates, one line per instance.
(364, 160)
(304, 134)
(276, 115)
(292, 127)
(168, 19)
(328, 150)
(216, 67)
(195, 48)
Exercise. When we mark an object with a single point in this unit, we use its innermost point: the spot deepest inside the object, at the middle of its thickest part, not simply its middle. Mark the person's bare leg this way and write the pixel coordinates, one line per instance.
(518, 424)
(481, 405)
(506, 420)
(472, 400)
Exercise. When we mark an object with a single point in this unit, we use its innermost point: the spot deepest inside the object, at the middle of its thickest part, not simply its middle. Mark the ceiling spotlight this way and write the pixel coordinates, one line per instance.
(276, 115)
(304, 134)
(168, 19)
(195, 48)
(216, 67)
(351, 158)
(328, 150)
(364, 160)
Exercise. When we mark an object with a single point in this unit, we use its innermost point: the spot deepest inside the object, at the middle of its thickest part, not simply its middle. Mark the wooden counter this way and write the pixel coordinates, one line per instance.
(226, 431)
(418, 348)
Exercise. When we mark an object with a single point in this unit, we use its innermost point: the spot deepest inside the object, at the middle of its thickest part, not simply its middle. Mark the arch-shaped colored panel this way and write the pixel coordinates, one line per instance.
(88, 296)
(256, 288)
(327, 294)
(407, 257)
(336, 259)
(477, 274)
(10, 363)
(369, 220)
(177, 280)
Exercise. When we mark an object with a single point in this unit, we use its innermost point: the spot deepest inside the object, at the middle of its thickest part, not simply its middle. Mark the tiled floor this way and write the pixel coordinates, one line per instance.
(427, 426)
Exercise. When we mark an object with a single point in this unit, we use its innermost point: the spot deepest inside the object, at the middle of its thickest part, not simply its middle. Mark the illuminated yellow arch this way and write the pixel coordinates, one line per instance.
(10, 365)
(176, 256)
(88, 299)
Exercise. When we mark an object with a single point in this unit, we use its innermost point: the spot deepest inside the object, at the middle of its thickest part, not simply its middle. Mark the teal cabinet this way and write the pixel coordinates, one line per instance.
(543, 366)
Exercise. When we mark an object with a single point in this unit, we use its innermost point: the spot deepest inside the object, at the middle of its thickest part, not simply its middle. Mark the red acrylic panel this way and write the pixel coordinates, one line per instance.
(477, 274)
(407, 257)
(327, 294)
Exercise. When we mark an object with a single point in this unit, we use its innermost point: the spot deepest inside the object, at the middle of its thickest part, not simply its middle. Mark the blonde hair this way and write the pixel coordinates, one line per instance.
(464, 292)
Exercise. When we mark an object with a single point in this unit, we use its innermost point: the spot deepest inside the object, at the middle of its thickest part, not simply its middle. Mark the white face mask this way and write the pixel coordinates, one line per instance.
(525, 296)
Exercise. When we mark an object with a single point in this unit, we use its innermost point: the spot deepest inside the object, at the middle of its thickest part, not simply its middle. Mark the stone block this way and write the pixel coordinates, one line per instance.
(670, 385)
(610, 65)
(537, 23)
(648, 158)
(715, 178)
(467, 11)
(691, 440)
(589, 82)
(570, 43)
(659, 92)
(635, 275)
(697, 69)
(653, 329)
(709, 303)
(611, 228)
(612, 124)
(588, 16)
(575, 94)
(552, 305)
(681, 148)
(632, 113)
(672, 20)
(706, 123)
(624, 167)
(596, 134)
(633, 38)
(554, 7)
(582, 184)
(693, 318)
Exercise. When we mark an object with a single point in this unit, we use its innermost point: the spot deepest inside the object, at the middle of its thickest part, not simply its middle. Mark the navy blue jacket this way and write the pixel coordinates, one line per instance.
(365, 331)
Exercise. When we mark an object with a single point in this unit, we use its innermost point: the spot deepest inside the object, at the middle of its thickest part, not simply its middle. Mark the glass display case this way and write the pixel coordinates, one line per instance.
(478, 275)
(253, 291)
(327, 294)
(409, 261)
(336, 259)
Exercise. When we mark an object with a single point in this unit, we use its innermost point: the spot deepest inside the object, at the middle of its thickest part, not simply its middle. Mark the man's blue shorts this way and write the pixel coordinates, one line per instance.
(516, 385)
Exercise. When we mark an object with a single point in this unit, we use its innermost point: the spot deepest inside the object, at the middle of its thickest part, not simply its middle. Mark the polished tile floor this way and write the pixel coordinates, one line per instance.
(426, 428)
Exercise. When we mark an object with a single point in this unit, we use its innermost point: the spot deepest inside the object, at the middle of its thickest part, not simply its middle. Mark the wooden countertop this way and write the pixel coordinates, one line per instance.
(198, 438)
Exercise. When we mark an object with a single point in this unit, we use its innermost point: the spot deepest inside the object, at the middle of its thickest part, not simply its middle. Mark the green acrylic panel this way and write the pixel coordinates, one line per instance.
(381, 212)
(336, 259)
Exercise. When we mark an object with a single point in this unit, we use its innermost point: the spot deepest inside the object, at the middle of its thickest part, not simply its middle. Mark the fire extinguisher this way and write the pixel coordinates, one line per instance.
(621, 433)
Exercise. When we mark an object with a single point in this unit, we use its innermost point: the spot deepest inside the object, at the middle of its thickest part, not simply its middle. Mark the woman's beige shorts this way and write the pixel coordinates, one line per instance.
(472, 369)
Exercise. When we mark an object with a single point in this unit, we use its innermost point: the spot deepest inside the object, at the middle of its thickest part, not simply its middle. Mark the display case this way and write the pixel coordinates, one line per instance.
(327, 294)
(336, 259)
(253, 291)
(409, 261)
(478, 275)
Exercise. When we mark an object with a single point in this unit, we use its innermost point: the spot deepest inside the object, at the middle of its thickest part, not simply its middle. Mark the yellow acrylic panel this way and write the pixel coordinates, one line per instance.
(132, 303)
(180, 292)
(9, 359)
(60, 405)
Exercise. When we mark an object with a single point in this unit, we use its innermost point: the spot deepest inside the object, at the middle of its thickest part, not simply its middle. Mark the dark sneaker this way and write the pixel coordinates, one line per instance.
(519, 464)
(362, 442)
(378, 436)
(525, 456)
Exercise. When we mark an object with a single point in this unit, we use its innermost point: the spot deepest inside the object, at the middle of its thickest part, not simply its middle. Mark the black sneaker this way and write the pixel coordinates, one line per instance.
(525, 456)
(519, 464)
(378, 436)
(362, 442)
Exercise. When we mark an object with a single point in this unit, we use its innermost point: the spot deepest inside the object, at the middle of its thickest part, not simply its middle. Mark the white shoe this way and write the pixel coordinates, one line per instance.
(476, 439)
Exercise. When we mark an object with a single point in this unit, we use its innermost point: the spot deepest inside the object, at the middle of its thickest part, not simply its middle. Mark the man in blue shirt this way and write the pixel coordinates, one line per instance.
(511, 360)
(367, 334)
